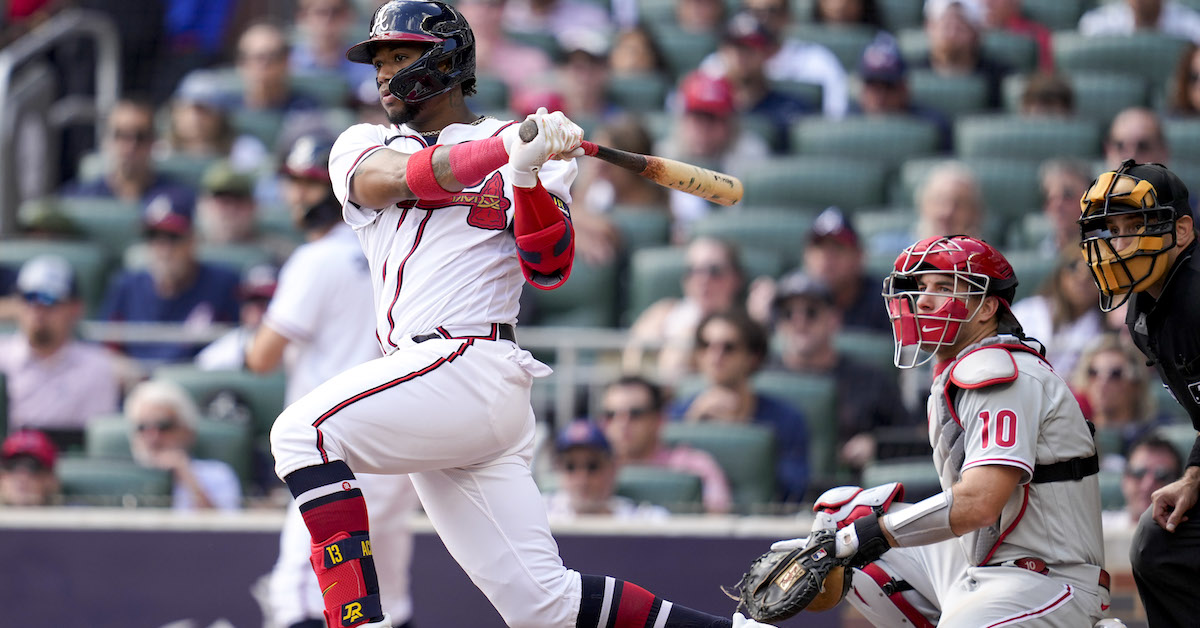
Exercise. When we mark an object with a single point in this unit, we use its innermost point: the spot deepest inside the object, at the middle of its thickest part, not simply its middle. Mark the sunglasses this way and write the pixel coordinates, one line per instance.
(592, 466)
(1160, 475)
(711, 270)
(137, 136)
(154, 235)
(161, 425)
(1115, 373)
(1138, 147)
(634, 413)
(809, 311)
(725, 346)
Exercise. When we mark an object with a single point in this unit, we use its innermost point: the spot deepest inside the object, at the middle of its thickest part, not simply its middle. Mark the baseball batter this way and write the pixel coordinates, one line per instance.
(321, 322)
(454, 212)
(1015, 537)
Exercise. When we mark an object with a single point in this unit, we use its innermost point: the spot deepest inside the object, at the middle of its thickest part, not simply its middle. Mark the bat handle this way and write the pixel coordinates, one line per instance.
(529, 131)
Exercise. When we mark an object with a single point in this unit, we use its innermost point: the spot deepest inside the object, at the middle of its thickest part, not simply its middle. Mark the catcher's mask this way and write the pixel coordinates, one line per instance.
(1128, 228)
(448, 61)
(920, 325)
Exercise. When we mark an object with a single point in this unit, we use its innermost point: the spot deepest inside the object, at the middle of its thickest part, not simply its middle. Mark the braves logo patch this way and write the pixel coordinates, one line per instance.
(487, 208)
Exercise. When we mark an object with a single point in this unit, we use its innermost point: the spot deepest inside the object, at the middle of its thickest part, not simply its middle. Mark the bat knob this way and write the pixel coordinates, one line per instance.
(528, 131)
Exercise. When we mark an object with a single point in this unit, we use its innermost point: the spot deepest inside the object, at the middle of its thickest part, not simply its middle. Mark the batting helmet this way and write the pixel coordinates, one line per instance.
(978, 270)
(451, 43)
(1128, 228)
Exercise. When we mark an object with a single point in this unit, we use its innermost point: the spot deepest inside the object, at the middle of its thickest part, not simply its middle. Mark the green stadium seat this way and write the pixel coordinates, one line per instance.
(1098, 96)
(1010, 187)
(816, 397)
(811, 93)
(1109, 441)
(884, 139)
(99, 482)
(188, 169)
(278, 221)
(1056, 15)
(587, 299)
(872, 348)
(1018, 137)
(262, 393)
(546, 42)
(263, 125)
(952, 95)
(1183, 137)
(238, 256)
(113, 223)
(657, 272)
(1032, 268)
(1181, 435)
(89, 260)
(898, 15)
(914, 44)
(1018, 52)
(647, 92)
(641, 227)
(918, 475)
(676, 491)
(746, 453)
(329, 89)
(108, 438)
(1111, 497)
(846, 42)
(682, 50)
(491, 95)
(1166, 405)
(814, 182)
(1151, 56)
(782, 231)
(656, 12)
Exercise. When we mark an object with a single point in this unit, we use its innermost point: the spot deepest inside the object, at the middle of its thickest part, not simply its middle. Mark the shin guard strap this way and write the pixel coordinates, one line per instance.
(354, 612)
(354, 547)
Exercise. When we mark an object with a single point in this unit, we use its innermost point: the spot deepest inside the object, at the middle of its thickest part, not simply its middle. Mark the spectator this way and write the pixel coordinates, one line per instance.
(496, 53)
(1153, 463)
(44, 219)
(552, 17)
(27, 476)
(712, 282)
(632, 418)
(262, 65)
(948, 200)
(1113, 386)
(55, 383)
(744, 50)
(700, 16)
(635, 53)
(254, 293)
(1047, 94)
(583, 75)
(1168, 17)
(175, 287)
(1185, 84)
(885, 92)
(1063, 182)
(707, 133)
(162, 422)
(129, 173)
(227, 213)
(587, 477)
(847, 12)
(807, 324)
(954, 28)
(1136, 133)
(1006, 15)
(199, 122)
(730, 348)
(1063, 314)
(322, 29)
(834, 255)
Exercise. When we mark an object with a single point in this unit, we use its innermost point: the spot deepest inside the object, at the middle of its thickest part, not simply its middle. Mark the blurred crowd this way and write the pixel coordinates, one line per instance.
(858, 126)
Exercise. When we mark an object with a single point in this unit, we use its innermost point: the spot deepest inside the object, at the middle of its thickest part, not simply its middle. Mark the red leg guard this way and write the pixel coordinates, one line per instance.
(348, 586)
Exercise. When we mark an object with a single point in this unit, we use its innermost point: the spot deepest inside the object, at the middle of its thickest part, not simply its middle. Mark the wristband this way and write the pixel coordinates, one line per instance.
(418, 174)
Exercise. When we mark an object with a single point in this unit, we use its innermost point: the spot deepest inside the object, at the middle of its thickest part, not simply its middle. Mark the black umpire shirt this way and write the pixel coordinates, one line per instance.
(1167, 330)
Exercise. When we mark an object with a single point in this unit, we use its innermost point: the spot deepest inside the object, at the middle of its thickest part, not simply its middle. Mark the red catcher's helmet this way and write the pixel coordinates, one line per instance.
(979, 270)
(437, 24)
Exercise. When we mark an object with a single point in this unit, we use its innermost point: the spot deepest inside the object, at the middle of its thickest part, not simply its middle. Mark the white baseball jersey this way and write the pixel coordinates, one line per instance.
(457, 255)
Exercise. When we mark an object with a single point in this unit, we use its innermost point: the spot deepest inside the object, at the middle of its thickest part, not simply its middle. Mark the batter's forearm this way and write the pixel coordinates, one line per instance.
(382, 180)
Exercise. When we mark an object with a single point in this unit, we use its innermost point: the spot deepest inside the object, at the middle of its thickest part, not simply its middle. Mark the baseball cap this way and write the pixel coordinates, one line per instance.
(259, 282)
(746, 30)
(801, 284)
(47, 280)
(705, 93)
(30, 444)
(833, 224)
(581, 433)
(589, 41)
(202, 87)
(1168, 188)
(972, 10)
(171, 212)
(221, 179)
(881, 61)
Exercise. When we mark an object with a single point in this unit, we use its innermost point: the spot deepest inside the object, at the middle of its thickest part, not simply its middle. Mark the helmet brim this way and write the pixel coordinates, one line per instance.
(363, 51)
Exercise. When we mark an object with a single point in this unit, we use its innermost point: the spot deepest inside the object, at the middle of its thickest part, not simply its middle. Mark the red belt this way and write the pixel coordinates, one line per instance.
(1039, 566)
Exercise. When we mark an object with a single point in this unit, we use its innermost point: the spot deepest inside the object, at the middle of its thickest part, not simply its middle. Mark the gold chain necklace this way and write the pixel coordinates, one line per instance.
(438, 132)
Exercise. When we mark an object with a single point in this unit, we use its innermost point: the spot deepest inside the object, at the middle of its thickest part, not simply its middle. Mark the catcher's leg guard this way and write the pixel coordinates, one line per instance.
(613, 603)
(878, 597)
(336, 516)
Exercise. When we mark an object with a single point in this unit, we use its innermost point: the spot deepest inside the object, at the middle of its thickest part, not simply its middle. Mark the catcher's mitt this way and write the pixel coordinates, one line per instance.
(781, 584)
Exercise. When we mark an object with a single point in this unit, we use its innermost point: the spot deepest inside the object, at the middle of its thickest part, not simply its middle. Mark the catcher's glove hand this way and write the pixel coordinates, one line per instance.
(780, 584)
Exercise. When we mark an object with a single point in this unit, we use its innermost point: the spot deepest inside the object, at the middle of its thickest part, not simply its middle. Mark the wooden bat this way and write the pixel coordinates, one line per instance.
(717, 187)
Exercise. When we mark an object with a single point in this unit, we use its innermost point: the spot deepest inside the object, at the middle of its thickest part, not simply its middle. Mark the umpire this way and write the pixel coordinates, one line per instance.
(1139, 239)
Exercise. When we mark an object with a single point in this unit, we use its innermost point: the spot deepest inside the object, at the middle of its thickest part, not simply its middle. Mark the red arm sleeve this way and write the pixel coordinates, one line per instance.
(545, 237)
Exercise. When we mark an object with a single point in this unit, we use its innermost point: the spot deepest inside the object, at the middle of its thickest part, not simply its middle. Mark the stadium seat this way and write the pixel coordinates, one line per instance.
(781, 231)
(873, 348)
(107, 437)
(263, 125)
(1181, 435)
(951, 95)
(1109, 441)
(99, 482)
(641, 227)
(814, 182)
(113, 223)
(278, 221)
(329, 89)
(587, 299)
(1111, 497)
(745, 452)
(683, 51)
(1032, 268)
(1183, 138)
(262, 393)
(89, 260)
(816, 397)
(1010, 186)
(846, 42)
(1098, 96)
(656, 273)
(676, 491)
(1151, 56)
(647, 92)
(491, 95)
(810, 93)
(1165, 403)
(1018, 52)
(918, 475)
(188, 169)
(1018, 137)
(1056, 15)
(656, 12)
(885, 139)
(900, 14)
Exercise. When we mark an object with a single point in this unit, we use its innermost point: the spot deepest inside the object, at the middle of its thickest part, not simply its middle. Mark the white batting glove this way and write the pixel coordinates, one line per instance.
(568, 136)
(789, 544)
(556, 136)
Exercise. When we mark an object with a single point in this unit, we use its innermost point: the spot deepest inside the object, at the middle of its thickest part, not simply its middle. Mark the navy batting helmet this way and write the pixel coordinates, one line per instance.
(437, 24)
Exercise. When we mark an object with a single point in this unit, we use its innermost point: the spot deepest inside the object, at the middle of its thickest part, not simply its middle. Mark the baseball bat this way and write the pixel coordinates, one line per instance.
(717, 187)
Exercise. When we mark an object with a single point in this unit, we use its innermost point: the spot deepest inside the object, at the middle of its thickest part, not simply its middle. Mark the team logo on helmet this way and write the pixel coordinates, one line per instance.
(922, 326)
(1127, 232)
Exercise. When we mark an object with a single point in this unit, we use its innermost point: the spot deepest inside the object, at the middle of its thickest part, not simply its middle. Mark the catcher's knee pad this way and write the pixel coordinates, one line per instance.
(879, 598)
(346, 574)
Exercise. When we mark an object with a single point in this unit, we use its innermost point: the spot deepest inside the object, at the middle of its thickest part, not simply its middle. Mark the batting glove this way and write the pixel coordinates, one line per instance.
(557, 137)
